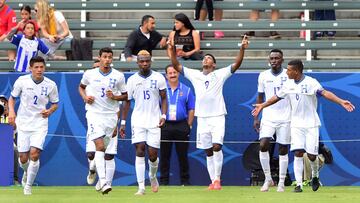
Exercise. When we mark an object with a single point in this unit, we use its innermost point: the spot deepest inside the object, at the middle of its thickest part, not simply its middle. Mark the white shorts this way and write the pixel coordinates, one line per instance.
(210, 130)
(151, 136)
(111, 147)
(281, 129)
(305, 138)
(100, 125)
(27, 139)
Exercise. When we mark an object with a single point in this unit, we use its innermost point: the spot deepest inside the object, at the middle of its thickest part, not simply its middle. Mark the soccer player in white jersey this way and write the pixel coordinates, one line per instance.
(302, 92)
(35, 92)
(101, 89)
(275, 119)
(148, 89)
(210, 107)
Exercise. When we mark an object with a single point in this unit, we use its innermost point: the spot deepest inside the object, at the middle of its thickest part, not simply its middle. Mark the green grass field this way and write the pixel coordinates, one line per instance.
(188, 194)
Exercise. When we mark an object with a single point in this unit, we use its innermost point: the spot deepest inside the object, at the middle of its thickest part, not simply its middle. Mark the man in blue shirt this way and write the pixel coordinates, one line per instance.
(179, 119)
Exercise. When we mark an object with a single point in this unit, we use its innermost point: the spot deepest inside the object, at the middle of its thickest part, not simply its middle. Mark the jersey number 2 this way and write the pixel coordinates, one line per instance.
(35, 99)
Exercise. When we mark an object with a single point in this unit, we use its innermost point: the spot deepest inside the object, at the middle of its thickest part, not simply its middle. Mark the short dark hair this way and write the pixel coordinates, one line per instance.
(145, 18)
(169, 66)
(277, 51)
(106, 50)
(297, 63)
(212, 56)
(36, 59)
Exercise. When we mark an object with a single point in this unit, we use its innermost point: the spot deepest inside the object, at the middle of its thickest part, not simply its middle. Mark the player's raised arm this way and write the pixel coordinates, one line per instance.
(259, 107)
(240, 56)
(344, 103)
(172, 55)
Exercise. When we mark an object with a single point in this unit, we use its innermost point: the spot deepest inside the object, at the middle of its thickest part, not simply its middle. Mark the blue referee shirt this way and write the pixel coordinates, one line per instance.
(184, 100)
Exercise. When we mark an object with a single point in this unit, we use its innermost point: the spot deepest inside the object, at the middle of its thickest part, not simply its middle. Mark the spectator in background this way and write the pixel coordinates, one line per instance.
(218, 34)
(209, 6)
(4, 119)
(179, 119)
(145, 37)
(186, 39)
(25, 13)
(54, 28)
(324, 15)
(7, 22)
(28, 46)
(255, 14)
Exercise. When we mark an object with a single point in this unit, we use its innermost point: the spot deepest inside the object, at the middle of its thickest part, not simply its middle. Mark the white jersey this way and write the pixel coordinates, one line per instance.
(97, 83)
(145, 92)
(26, 49)
(33, 99)
(269, 84)
(303, 100)
(208, 91)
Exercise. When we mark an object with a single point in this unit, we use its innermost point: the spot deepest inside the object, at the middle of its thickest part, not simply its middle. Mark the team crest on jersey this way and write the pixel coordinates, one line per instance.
(181, 93)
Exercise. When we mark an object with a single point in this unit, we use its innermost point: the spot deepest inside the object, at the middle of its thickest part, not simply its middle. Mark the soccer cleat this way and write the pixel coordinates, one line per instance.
(98, 186)
(27, 190)
(106, 189)
(281, 188)
(217, 185)
(140, 192)
(315, 184)
(154, 184)
(91, 177)
(297, 189)
(266, 185)
(211, 186)
(24, 179)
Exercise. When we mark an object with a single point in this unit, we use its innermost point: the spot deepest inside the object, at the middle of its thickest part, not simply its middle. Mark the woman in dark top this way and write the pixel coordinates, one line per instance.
(186, 38)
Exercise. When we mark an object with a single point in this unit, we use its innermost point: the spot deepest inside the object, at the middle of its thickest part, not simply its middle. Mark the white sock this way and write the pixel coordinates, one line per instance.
(100, 166)
(298, 170)
(153, 167)
(315, 168)
(265, 164)
(32, 172)
(110, 170)
(91, 165)
(218, 162)
(140, 171)
(24, 166)
(283, 165)
(210, 167)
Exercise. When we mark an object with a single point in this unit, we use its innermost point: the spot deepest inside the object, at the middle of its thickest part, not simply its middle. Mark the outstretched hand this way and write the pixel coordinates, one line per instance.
(348, 105)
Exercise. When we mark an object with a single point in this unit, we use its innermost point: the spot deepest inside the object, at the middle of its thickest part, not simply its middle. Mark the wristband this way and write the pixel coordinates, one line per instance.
(123, 122)
(163, 116)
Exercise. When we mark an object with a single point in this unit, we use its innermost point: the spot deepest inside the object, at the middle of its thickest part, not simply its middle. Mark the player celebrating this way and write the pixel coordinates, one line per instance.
(101, 89)
(302, 93)
(35, 92)
(210, 107)
(147, 88)
(275, 120)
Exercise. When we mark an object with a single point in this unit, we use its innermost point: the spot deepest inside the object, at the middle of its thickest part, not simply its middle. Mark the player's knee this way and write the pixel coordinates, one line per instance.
(264, 145)
(109, 157)
(299, 153)
(311, 157)
(283, 150)
(90, 155)
(217, 147)
(152, 158)
(23, 158)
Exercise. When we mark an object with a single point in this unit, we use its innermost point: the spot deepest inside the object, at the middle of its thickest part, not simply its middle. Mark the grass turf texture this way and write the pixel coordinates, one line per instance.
(188, 194)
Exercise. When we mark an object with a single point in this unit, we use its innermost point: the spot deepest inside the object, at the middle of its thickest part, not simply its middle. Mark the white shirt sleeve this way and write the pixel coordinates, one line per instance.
(261, 83)
(190, 73)
(317, 87)
(59, 17)
(130, 89)
(17, 89)
(85, 78)
(282, 93)
(122, 84)
(54, 95)
(224, 73)
(162, 82)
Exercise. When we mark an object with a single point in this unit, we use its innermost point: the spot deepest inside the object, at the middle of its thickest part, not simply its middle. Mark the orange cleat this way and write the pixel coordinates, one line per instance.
(217, 185)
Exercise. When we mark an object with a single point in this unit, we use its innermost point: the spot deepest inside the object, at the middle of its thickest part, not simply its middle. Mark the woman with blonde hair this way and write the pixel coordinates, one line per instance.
(53, 25)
